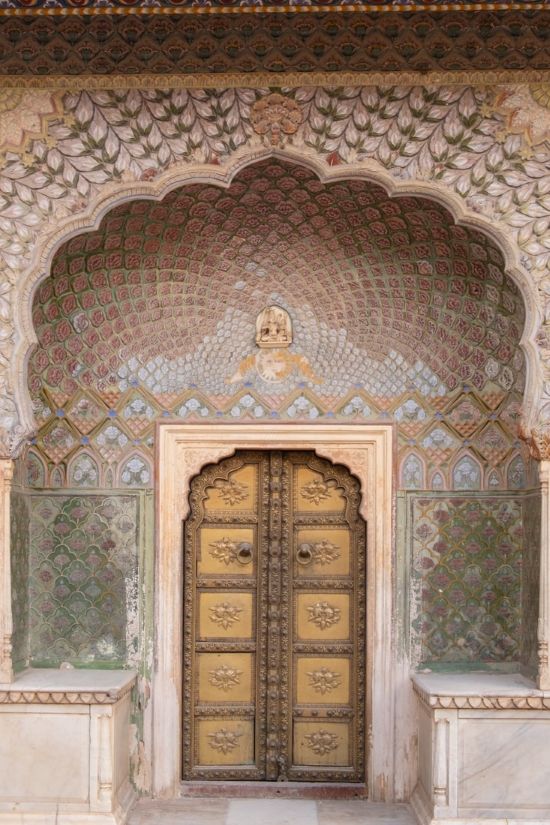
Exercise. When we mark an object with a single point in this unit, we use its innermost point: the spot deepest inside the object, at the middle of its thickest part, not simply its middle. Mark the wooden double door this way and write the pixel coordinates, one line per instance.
(274, 621)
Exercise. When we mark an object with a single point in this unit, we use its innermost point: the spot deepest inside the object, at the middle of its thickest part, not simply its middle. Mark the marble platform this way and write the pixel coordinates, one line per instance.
(484, 749)
(64, 747)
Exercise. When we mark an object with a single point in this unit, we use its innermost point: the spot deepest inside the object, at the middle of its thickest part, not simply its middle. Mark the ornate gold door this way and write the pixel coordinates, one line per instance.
(274, 624)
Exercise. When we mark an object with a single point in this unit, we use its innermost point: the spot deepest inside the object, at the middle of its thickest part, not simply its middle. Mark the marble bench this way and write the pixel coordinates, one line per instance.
(64, 747)
(483, 749)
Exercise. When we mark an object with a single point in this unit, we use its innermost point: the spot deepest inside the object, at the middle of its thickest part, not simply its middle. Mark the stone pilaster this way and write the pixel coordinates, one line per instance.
(6, 626)
(544, 603)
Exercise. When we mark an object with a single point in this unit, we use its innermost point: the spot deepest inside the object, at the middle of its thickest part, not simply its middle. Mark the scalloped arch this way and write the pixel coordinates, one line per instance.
(112, 195)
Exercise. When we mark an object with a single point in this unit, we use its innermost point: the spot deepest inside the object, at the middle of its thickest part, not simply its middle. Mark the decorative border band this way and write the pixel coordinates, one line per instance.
(42, 10)
(483, 702)
(266, 80)
(67, 697)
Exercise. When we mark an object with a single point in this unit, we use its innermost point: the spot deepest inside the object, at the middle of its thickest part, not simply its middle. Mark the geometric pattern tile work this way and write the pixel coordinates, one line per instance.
(83, 579)
(466, 578)
(19, 549)
(530, 580)
(171, 44)
(397, 314)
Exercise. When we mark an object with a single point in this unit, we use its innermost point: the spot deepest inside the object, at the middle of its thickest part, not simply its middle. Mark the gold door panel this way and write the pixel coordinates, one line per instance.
(225, 616)
(315, 494)
(225, 742)
(322, 743)
(274, 621)
(324, 552)
(237, 493)
(323, 616)
(226, 550)
(322, 680)
(225, 677)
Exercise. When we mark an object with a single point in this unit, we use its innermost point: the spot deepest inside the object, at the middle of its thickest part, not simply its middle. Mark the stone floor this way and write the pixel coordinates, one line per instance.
(269, 812)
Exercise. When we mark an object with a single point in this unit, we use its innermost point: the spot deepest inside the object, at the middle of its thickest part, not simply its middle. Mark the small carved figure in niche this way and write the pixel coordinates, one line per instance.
(273, 328)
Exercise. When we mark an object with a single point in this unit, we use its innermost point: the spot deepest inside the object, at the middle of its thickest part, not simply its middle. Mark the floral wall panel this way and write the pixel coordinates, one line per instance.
(466, 578)
(20, 516)
(530, 581)
(84, 579)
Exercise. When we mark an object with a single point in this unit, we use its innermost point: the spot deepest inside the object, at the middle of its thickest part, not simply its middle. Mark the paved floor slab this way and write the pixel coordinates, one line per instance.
(206, 811)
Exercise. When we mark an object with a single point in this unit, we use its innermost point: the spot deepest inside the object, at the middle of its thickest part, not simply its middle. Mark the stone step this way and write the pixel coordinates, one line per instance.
(275, 811)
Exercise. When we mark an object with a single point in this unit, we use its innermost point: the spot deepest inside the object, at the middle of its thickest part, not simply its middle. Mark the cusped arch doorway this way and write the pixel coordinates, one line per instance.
(274, 628)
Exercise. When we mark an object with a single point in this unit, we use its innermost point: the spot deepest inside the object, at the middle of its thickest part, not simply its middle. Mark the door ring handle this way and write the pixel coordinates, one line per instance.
(303, 554)
(244, 553)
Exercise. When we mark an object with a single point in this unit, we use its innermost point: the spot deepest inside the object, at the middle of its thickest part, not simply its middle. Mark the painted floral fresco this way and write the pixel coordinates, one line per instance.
(83, 586)
(474, 143)
(398, 314)
(466, 579)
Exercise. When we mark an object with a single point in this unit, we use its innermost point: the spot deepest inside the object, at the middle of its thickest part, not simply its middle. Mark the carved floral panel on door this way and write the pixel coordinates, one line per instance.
(397, 314)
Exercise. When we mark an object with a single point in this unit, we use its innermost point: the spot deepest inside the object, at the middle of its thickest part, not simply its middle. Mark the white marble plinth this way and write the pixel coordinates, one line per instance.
(64, 748)
(484, 750)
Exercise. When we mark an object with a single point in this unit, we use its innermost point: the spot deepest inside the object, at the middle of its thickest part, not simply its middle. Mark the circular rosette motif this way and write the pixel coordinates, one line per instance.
(274, 115)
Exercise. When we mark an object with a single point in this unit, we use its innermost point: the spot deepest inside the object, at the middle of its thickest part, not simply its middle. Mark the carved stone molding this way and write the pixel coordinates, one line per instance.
(6, 623)
(55, 697)
(366, 450)
(474, 702)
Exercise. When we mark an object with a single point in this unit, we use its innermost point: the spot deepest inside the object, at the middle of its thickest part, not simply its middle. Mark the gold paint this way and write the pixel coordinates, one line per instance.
(235, 493)
(322, 680)
(249, 708)
(323, 614)
(330, 551)
(225, 742)
(325, 743)
(315, 495)
(220, 548)
(225, 677)
(323, 618)
(225, 615)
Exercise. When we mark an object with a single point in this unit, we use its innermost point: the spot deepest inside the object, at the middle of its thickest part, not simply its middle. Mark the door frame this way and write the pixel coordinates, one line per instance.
(182, 450)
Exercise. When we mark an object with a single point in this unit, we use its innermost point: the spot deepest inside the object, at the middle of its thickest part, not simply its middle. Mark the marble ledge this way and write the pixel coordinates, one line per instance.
(46, 686)
(479, 691)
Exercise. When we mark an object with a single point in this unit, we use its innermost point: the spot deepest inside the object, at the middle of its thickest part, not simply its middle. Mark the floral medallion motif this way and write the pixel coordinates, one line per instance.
(321, 742)
(224, 740)
(323, 614)
(225, 677)
(225, 615)
(324, 680)
(315, 491)
(324, 552)
(231, 492)
(275, 114)
(228, 551)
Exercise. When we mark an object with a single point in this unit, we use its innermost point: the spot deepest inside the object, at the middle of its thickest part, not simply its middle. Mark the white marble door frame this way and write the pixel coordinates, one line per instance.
(182, 451)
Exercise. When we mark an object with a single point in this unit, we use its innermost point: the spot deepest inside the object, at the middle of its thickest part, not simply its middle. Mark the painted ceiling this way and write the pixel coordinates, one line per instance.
(396, 312)
(360, 274)
(39, 45)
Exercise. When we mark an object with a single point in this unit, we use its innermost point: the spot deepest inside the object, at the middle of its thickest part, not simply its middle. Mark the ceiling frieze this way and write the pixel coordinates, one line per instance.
(471, 47)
